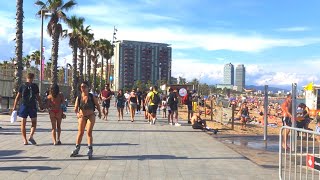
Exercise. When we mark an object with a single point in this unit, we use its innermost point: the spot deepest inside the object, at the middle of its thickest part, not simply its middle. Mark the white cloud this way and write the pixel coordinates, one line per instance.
(294, 29)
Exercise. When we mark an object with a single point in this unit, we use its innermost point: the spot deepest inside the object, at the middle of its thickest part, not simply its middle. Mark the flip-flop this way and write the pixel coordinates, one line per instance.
(32, 141)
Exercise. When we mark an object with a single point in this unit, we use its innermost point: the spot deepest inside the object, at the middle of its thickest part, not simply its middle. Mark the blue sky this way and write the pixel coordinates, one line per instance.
(277, 41)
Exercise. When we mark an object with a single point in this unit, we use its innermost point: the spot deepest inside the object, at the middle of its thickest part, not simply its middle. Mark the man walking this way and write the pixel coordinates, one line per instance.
(106, 95)
(153, 100)
(29, 94)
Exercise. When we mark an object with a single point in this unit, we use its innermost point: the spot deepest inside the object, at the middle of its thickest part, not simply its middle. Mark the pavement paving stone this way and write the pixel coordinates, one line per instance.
(122, 150)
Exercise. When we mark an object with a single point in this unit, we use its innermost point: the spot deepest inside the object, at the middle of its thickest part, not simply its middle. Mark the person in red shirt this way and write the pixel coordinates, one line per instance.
(105, 97)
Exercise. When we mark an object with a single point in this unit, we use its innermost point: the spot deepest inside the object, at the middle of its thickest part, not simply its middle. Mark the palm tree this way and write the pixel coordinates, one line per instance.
(57, 9)
(35, 56)
(19, 42)
(47, 69)
(103, 43)
(109, 55)
(83, 43)
(89, 48)
(95, 56)
(26, 61)
(75, 23)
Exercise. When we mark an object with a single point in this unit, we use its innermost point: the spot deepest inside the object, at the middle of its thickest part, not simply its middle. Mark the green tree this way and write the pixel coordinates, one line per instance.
(95, 56)
(57, 8)
(83, 43)
(35, 56)
(75, 24)
(19, 45)
(103, 49)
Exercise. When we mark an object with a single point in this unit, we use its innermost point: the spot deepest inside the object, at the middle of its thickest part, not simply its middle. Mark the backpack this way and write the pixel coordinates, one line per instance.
(28, 97)
(170, 100)
(90, 97)
(156, 99)
(185, 99)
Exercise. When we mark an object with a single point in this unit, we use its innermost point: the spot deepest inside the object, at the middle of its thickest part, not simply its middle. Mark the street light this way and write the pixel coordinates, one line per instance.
(44, 12)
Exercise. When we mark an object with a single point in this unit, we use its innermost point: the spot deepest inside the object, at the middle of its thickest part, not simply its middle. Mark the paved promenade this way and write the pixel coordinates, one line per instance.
(122, 150)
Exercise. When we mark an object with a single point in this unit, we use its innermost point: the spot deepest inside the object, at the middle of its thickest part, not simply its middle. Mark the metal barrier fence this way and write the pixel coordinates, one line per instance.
(300, 159)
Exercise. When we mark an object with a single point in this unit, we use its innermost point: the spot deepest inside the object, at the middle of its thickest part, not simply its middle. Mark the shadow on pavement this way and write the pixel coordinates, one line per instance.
(159, 157)
(85, 145)
(10, 152)
(23, 157)
(28, 168)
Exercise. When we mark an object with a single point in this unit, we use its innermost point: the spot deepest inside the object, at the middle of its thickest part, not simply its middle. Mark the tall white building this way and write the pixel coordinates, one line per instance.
(228, 74)
(240, 77)
(143, 61)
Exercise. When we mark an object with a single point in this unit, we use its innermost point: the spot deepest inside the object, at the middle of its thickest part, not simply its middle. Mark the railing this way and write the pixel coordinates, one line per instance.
(300, 159)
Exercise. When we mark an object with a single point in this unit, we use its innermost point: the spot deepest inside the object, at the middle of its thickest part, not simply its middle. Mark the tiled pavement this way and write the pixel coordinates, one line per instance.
(122, 150)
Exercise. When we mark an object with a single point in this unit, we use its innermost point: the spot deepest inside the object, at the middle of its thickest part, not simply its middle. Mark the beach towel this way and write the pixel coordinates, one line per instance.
(13, 116)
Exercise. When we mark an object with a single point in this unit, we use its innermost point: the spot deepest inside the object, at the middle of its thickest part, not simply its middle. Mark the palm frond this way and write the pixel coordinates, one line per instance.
(67, 6)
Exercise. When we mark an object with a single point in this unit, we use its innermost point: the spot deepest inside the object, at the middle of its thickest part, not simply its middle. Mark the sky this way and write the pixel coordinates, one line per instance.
(277, 41)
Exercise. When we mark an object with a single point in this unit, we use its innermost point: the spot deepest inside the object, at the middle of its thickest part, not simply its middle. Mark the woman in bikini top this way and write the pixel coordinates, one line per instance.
(55, 100)
(84, 107)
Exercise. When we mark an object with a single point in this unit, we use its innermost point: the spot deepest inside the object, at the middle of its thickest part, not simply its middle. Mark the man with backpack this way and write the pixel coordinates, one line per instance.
(173, 106)
(153, 99)
(29, 94)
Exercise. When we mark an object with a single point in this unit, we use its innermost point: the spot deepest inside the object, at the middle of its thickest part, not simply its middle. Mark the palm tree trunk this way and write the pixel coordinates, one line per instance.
(81, 65)
(101, 76)
(19, 42)
(74, 70)
(88, 66)
(54, 56)
(94, 84)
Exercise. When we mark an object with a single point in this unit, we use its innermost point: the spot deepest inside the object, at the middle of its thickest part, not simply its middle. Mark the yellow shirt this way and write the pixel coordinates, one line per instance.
(150, 95)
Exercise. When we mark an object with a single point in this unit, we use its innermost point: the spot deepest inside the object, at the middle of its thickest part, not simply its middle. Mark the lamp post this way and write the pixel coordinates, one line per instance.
(43, 13)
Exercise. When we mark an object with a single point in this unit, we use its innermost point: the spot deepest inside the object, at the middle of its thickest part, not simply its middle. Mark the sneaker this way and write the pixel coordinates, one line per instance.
(59, 142)
(150, 123)
(75, 152)
(90, 152)
(170, 124)
(154, 121)
(177, 124)
(32, 141)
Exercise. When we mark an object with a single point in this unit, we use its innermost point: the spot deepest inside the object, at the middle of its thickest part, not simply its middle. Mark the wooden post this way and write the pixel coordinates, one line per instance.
(232, 117)
(211, 104)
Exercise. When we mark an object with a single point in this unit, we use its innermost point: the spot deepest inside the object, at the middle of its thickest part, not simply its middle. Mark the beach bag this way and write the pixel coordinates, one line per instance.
(13, 116)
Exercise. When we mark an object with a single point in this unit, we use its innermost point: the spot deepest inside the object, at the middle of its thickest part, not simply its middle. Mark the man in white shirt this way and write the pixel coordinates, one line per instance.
(127, 95)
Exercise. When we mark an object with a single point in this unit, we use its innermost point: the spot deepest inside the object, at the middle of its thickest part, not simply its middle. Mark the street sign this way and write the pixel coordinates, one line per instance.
(182, 92)
(313, 162)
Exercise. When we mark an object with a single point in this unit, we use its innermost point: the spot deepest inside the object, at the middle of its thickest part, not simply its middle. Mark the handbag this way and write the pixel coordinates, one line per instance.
(14, 115)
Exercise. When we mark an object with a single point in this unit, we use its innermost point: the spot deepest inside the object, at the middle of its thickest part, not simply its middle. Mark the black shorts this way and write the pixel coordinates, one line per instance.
(287, 121)
(173, 107)
(106, 104)
(152, 109)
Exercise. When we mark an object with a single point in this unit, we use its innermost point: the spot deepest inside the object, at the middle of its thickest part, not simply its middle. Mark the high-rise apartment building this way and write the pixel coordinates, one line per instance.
(228, 74)
(240, 77)
(144, 61)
